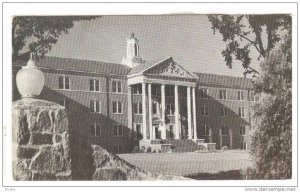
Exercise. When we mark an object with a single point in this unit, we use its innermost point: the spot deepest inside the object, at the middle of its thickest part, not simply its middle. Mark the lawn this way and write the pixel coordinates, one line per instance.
(210, 165)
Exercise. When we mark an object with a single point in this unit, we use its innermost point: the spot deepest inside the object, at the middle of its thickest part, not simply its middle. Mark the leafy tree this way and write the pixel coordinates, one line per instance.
(243, 32)
(39, 33)
(270, 37)
(271, 144)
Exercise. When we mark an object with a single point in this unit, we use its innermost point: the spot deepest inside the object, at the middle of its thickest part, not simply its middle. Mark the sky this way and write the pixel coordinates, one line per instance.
(189, 39)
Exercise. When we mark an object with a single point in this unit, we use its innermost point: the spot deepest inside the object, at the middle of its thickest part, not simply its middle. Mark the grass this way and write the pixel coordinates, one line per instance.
(217, 165)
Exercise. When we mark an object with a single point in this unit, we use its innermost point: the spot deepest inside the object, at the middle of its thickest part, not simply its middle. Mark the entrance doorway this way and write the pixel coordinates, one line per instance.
(157, 132)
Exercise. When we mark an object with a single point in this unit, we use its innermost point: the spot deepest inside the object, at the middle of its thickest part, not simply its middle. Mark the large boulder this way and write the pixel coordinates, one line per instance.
(110, 167)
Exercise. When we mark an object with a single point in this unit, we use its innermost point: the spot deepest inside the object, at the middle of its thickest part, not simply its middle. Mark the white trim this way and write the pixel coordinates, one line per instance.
(141, 72)
(87, 91)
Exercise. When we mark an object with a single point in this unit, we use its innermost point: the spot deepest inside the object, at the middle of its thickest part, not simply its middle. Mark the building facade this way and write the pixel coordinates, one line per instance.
(120, 106)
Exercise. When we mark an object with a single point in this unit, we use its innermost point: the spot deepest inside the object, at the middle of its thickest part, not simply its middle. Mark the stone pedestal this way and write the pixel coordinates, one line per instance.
(41, 149)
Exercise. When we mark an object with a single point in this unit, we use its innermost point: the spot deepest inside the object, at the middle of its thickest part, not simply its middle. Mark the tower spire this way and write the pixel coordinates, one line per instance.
(132, 58)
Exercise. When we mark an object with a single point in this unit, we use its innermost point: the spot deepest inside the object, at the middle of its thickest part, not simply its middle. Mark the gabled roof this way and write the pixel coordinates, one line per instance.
(79, 65)
(144, 68)
(141, 68)
(225, 81)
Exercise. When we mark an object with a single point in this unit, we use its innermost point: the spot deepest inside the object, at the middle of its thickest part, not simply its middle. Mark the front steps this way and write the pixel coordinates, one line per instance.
(174, 145)
(182, 145)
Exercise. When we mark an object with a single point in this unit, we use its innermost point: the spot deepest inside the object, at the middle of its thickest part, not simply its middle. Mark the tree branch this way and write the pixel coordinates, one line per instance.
(252, 42)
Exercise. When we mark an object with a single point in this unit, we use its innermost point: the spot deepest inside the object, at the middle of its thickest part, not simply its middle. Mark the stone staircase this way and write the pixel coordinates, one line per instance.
(182, 145)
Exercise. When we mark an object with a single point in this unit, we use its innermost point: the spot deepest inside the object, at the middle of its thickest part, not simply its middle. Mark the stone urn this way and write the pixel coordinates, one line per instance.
(30, 80)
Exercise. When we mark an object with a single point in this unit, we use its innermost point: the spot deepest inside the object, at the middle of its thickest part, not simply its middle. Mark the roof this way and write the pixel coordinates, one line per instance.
(119, 69)
(223, 80)
(79, 65)
(142, 67)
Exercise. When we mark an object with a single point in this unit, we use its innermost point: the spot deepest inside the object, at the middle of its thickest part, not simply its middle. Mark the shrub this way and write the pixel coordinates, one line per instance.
(225, 148)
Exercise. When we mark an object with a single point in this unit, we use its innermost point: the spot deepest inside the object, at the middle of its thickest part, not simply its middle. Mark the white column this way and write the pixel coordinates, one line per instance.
(144, 111)
(176, 113)
(189, 112)
(210, 135)
(230, 138)
(194, 113)
(163, 110)
(220, 138)
(152, 135)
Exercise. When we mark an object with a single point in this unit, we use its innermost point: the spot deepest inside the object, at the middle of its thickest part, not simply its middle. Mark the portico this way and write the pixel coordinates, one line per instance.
(168, 100)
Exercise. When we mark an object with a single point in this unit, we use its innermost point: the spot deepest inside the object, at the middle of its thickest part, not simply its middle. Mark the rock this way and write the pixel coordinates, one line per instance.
(109, 175)
(111, 167)
(41, 138)
(61, 121)
(43, 122)
(43, 177)
(57, 138)
(49, 161)
(26, 152)
(21, 171)
(23, 134)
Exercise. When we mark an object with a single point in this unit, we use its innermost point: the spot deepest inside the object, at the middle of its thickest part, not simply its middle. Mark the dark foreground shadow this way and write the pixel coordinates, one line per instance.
(223, 175)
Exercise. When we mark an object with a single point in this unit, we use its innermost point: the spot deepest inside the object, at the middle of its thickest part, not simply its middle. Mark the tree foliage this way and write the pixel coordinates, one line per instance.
(243, 32)
(271, 144)
(39, 33)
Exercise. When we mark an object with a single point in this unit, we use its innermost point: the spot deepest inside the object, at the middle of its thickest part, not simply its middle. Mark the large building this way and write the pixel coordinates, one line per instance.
(121, 106)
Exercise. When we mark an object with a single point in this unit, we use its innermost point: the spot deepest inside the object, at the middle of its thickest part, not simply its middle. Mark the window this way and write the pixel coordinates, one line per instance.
(63, 82)
(240, 95)
(204, 110)
(137, 89)
(224, 131)
(223, 94)
(118, 148)
(65, 103)
(155, 108)
(138, 108)
(117, 87)
(169, 91)
(94, 85)
(203, 93)
(118, 130)
(117, 107)
(138, 131)
(242, 112)
(155, 91)
(205, 130)
(224, 112)
(243, 145)
(95, 106)
(242, 130)
(170, 109)
(95, 129)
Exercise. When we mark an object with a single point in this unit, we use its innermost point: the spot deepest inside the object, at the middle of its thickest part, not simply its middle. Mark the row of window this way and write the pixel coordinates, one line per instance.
(203, 93)
(138, 108)
(224, 130)
(95, 106)
(223, 111)
(64, 83)
(95, 130)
